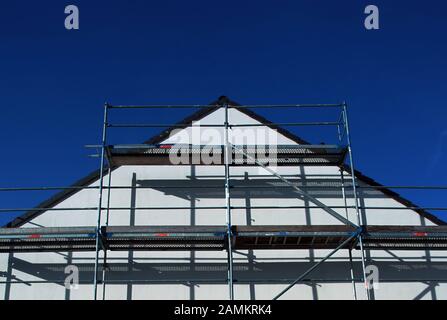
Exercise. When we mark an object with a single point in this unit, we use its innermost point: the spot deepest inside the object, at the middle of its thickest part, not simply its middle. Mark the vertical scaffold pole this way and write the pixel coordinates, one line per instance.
(98, 223)
(345, 203)
(351, 264)
(354, 190)
(227, 159)
(109, 173)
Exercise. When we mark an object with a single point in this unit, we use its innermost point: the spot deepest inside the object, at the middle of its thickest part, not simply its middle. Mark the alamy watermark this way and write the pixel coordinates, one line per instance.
(372, 18)
(72, 279)
(371, 21)
(72, 19)
(372, 277)
(205, 145)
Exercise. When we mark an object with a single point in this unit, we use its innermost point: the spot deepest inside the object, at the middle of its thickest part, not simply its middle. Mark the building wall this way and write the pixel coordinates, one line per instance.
(260, 274)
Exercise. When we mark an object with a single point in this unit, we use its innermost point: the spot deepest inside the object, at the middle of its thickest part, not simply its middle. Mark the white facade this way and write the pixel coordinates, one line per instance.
(261, 274)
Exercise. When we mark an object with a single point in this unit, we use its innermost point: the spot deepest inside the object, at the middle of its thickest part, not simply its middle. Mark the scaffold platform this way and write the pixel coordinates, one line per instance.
(282, 155)
(124, 238)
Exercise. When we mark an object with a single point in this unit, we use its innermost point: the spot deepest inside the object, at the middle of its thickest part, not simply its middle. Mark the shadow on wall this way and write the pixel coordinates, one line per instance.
(194, 271)
(214, 188)
(146, 272)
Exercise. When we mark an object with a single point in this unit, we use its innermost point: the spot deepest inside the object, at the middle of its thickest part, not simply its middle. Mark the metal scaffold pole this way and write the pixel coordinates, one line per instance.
(351, 264)
(227, 155)
(354, 190)
(343, 191)
(98, 224)
(109, 173)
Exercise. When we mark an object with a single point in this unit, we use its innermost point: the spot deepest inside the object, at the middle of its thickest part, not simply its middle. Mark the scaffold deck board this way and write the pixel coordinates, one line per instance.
(47, 239)
(281, 155)
(119, 238)
(405, 237)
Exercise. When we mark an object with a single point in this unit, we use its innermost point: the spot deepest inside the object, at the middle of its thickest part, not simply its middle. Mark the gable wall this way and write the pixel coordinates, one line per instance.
(203, 274)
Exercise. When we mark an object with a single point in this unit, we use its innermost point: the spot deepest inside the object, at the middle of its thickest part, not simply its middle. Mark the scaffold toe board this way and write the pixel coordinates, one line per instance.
(281, 155)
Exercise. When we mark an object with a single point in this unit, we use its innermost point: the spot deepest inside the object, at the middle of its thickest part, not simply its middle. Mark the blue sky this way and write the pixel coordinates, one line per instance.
(53, 82)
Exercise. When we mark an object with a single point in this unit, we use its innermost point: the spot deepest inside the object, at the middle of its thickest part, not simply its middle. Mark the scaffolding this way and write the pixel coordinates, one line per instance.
(349, 235)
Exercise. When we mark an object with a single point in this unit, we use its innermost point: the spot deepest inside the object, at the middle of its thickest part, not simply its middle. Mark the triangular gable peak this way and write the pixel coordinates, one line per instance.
(201, 132)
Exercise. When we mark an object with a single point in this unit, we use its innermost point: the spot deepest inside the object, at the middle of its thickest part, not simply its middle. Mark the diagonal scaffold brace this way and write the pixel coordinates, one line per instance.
(321, 205)
(298, 190)
(302, 276)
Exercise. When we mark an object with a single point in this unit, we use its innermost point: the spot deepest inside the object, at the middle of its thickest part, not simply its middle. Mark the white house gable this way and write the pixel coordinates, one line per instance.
(163, 195)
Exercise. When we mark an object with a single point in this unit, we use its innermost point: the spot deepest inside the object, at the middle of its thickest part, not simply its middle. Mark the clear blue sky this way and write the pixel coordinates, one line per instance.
(53, 82)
